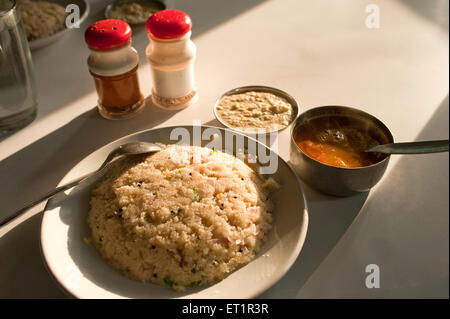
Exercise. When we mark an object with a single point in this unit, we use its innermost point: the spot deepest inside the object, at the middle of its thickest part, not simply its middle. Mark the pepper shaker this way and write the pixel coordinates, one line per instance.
(113, 63)
(171, 55)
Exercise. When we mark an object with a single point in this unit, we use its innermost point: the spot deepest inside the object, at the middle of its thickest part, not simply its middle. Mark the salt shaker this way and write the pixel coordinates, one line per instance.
(171, 55)
(113, 63)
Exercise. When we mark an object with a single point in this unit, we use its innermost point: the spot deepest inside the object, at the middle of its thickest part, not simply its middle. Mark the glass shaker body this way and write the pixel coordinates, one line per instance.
(171, 55)
(116, 81)
(113, 63)
(18, 99)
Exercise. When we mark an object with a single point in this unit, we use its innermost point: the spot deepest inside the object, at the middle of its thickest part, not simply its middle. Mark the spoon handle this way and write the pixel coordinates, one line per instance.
(129, 148)
(52, 193)
(412, 147)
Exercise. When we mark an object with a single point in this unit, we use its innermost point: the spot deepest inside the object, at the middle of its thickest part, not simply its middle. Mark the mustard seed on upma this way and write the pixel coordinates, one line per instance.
(183, 217)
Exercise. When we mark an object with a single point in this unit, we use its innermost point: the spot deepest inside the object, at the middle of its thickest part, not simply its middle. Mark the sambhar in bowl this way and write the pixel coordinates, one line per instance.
(327, 149)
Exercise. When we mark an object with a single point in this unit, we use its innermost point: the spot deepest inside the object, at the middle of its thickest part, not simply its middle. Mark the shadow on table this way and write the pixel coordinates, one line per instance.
(329, 219)
(64, 78)
(400, 239)
(408, 227)
(214, 122)
(47, 161)
(435, 11)
(50, 158)
(18, 248)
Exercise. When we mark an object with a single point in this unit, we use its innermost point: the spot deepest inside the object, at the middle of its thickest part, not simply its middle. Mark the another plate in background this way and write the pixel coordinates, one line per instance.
(134, 9)
(84, 12)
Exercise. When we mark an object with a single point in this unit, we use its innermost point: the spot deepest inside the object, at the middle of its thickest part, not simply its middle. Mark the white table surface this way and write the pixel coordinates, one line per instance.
(322, 53)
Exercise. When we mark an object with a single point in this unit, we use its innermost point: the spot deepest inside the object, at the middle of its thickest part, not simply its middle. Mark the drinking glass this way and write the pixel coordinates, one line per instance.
(18, 103)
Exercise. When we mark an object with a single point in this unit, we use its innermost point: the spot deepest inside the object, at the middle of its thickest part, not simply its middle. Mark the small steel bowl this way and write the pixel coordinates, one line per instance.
(334, 180)
(259, 88)
(158, 4)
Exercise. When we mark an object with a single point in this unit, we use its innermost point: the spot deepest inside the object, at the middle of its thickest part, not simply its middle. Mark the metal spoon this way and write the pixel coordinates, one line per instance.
(133, 148)
(411, 148)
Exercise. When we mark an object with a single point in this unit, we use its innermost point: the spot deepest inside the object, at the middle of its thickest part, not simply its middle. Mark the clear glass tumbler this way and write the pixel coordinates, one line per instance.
(18, 104)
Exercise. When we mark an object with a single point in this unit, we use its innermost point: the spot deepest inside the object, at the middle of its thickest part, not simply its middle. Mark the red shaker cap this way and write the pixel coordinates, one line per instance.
(107, 34)
(168, 24)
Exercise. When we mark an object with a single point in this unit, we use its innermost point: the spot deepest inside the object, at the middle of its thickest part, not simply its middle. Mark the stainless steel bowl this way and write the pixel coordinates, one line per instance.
(336, 180)
(259, 88)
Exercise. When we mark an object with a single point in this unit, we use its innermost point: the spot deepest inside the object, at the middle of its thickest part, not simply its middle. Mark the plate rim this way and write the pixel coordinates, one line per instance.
(269, 283)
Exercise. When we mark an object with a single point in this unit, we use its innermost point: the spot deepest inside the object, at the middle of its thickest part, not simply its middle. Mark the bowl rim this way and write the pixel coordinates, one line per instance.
(378, 122)
(259, 88)
(9, 11)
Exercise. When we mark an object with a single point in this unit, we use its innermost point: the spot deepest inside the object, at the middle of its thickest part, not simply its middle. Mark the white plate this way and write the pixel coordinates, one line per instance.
(80, 270)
